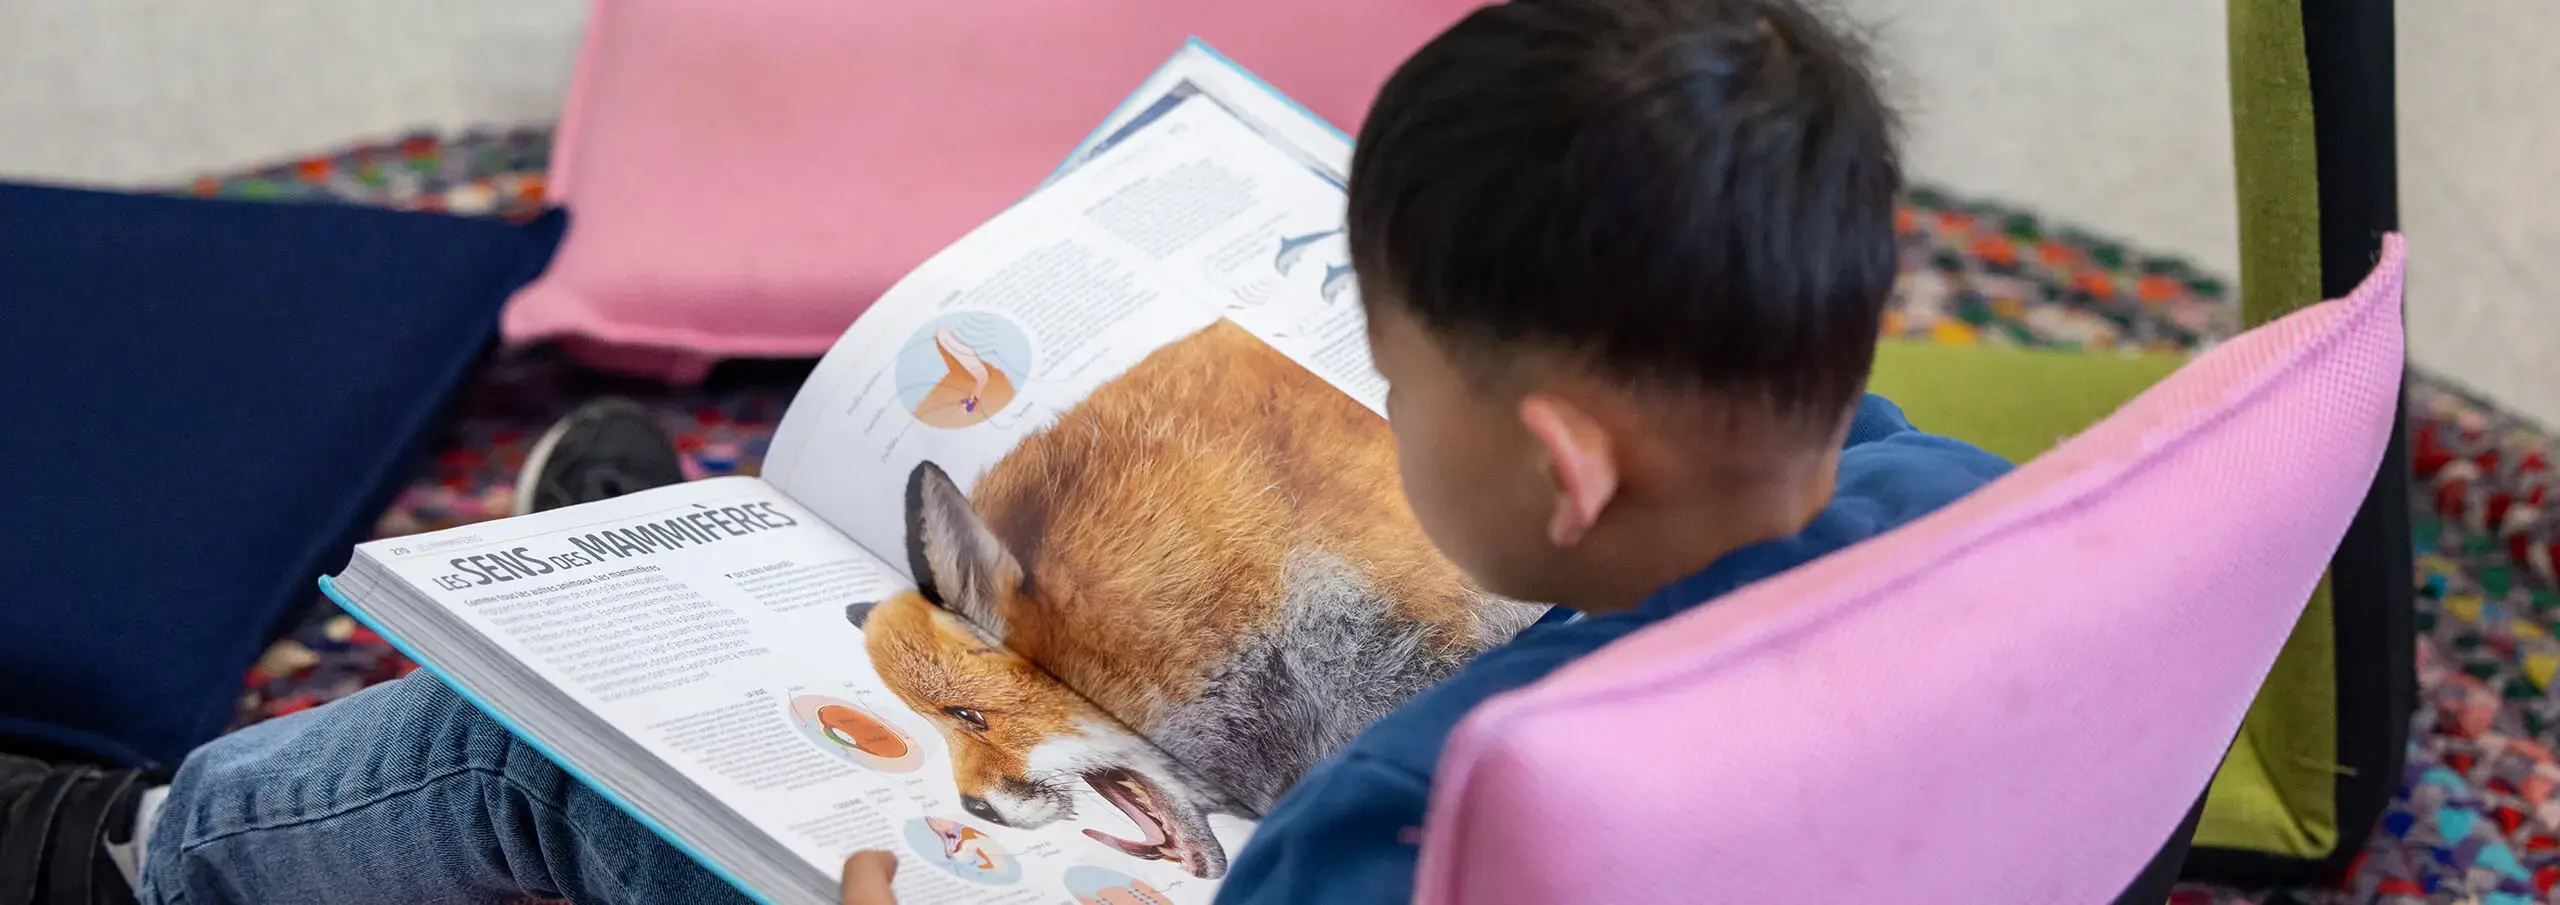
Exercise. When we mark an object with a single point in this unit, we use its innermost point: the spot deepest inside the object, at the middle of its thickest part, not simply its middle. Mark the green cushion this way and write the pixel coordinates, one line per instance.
(2014, 402)
(2276, 793)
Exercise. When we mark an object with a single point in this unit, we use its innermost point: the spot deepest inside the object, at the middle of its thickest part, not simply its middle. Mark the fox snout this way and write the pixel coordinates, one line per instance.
(979, 808)
(1019, 804)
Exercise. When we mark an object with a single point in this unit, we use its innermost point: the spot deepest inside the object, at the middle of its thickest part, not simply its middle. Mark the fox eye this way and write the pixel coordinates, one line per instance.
(976, 720)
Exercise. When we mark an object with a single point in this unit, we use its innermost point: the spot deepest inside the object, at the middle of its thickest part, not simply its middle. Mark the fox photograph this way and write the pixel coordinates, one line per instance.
(1210, 550)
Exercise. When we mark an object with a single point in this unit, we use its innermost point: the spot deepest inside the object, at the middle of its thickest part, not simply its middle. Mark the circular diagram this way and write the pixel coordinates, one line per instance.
(963, 850)
(961, 369)
(855, 734)
(1092, 885)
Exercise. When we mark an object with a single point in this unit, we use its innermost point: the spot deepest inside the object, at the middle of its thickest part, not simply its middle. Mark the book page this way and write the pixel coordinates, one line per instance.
(1189, 214)
(1198, 69)
(1130, 431)
(709, 622)
(1324, 328)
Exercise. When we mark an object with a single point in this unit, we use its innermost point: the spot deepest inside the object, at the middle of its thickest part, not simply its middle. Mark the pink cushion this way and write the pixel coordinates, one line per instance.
(746, 176)
(2013, 700)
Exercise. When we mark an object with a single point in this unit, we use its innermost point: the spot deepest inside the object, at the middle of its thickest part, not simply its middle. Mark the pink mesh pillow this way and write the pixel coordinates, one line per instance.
(2013, 700)
(746, 176)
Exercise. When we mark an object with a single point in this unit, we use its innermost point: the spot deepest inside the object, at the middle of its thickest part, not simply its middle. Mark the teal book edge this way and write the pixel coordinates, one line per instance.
(329, 587)
(1135, 96)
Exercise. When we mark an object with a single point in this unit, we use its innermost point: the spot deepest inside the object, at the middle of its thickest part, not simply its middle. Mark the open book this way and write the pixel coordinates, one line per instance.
(1072, 555)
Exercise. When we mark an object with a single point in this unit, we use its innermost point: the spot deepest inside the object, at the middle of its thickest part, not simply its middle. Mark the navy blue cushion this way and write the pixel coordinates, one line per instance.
(203, 405)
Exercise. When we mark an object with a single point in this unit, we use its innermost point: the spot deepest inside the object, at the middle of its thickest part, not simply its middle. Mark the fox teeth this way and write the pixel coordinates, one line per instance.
(1133, 849)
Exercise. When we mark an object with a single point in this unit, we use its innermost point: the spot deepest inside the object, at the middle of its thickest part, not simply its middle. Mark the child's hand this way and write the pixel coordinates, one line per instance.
(867, 876)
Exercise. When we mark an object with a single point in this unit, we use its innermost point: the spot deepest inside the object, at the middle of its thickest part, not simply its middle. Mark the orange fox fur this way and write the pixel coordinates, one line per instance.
(1160, 549)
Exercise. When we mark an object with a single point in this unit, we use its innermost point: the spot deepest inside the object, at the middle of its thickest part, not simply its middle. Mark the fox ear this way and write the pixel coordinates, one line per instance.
(859, 613)
(959, 565)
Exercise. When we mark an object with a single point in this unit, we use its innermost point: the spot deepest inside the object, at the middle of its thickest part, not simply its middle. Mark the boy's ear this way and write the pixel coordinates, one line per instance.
(1582, 468)
(959, 565)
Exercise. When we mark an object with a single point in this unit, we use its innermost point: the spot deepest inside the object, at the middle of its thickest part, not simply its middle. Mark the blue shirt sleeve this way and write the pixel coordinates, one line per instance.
(1892, 472)
(1348, 833)
(1876, 419)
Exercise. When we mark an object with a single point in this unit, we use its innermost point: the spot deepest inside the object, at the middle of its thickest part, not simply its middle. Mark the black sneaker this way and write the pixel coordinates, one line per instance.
(55, 823)
(603, 450)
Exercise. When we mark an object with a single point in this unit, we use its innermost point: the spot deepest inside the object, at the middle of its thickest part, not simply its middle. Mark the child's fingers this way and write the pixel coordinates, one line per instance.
(867, 876)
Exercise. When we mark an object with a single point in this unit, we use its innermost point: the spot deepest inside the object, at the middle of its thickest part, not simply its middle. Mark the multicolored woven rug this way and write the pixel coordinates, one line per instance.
(2476, 820)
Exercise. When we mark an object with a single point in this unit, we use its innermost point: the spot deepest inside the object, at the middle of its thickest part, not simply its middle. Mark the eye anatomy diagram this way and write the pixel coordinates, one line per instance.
(963, 850)
(961, 369)
(855, 734)
(1102, 886)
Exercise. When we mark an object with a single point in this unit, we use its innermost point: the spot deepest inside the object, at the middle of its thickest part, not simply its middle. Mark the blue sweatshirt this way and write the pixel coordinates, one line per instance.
(1346, 833)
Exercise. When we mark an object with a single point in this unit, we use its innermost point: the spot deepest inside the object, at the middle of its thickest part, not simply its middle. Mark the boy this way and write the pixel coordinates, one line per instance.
(1624, 263)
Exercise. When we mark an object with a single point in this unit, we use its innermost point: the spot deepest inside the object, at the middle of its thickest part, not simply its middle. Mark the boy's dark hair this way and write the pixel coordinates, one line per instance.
(1692, 193)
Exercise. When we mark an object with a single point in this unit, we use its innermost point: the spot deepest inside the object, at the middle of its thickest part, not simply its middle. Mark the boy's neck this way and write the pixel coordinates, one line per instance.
(1655, 538)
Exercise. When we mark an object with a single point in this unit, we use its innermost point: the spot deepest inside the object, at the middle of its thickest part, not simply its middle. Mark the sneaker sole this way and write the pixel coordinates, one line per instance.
(521, 501)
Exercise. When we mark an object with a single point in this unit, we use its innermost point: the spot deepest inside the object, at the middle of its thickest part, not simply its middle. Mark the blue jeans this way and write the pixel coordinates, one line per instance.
(401, 793)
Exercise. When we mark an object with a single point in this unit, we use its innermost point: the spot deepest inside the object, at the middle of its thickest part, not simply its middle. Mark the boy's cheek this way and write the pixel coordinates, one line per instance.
(1452, 495)
(1412, 469)
(1420, 477)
